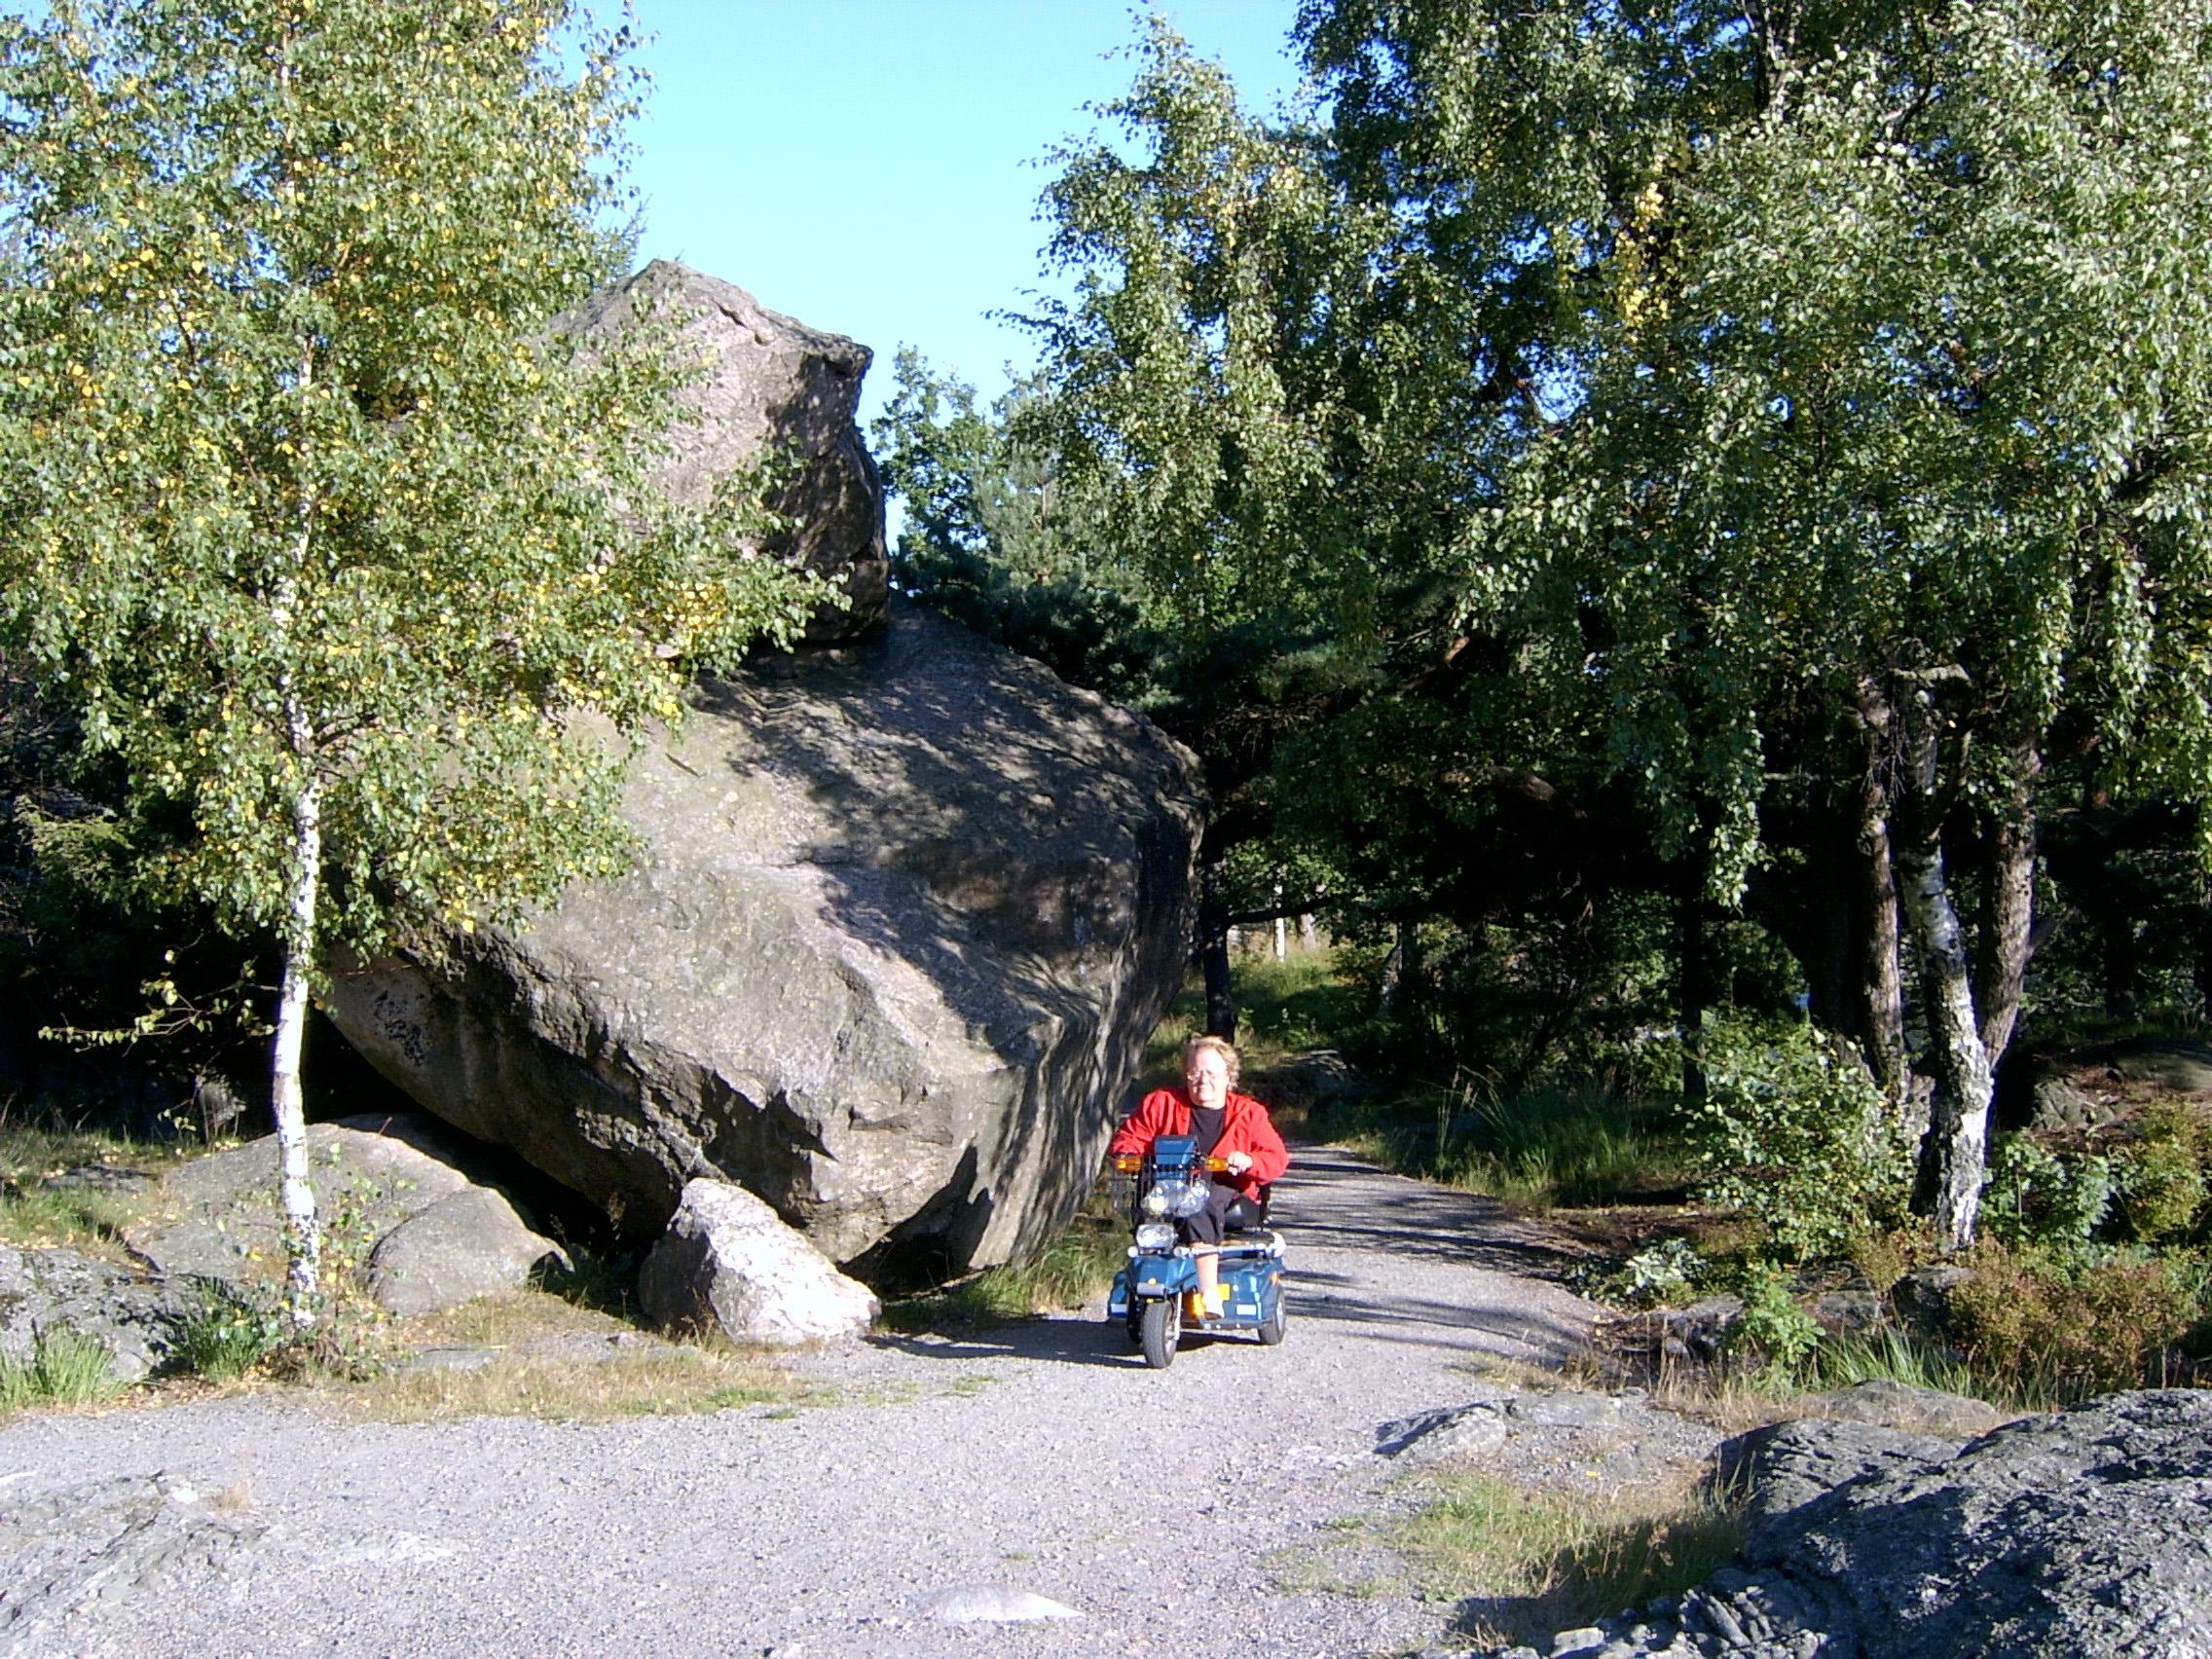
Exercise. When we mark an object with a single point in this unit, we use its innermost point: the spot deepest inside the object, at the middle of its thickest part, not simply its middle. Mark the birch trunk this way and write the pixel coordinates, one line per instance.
(303, 1238)
(2001, 970)
(1954, 1154)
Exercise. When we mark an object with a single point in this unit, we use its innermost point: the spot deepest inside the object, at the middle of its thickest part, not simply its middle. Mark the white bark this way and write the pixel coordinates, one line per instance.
(303, 1237)
(1959, 1120)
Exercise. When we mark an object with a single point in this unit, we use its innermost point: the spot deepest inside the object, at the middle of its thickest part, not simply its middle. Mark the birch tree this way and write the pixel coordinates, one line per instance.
(321, 535)
(1869, 363)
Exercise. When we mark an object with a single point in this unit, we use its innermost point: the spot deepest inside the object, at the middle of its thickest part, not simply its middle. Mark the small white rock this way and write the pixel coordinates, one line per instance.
(994, 1604)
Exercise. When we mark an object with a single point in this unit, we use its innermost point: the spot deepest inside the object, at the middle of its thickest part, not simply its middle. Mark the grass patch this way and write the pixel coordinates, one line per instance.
(534, 1370)
(1548, 1149)
(1283, 1009)
(229, 1335)
(1529, 1564)
(1891, 1355)
(86, 1217)
(688, 1381)
(1070, 1273)
(64, 1369)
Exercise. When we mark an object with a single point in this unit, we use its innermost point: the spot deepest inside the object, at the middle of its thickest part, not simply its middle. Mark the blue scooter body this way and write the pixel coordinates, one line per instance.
(1160, 1274)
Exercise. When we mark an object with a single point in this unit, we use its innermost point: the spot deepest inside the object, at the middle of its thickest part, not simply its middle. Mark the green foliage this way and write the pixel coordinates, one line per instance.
(1793, 1133)
(2037, 1197)
(64, 1369)
(1775, 1330)
(230, 1333)
(2159, 1176)
(298, 504)
(1662, 1272)
(2047, 1329)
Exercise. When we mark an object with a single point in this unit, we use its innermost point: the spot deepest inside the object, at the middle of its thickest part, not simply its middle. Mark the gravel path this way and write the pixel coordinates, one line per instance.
(1184, 1512)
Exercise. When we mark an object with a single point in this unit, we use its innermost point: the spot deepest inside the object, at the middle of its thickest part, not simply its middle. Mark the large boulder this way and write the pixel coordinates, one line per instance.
(2079, 1534)
(729, 1263)
(768, 380)
(904, 916)
(429, 1236)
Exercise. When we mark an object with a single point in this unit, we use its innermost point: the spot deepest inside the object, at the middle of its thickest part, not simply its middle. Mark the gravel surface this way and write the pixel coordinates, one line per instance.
(1040, 1471)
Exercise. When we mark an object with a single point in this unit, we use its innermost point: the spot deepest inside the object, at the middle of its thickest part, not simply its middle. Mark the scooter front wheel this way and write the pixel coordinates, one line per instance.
(1270, 1328)
(1162, 1330)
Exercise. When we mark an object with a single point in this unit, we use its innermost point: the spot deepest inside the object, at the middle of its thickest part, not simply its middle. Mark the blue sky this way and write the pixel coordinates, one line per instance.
(868, 166)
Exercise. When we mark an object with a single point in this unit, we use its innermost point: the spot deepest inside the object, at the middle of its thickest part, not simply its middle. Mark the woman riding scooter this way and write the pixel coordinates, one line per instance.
(1234, 1128)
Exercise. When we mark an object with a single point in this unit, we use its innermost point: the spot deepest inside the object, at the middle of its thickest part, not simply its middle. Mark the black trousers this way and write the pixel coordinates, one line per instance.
(1226, 1207)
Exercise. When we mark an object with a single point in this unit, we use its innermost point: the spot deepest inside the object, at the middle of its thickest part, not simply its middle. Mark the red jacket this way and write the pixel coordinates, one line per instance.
(1244, 1128)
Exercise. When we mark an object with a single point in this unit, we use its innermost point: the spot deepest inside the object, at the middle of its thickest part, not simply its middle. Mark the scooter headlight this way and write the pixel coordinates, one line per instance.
(1155, 1203)
(1154, 1236)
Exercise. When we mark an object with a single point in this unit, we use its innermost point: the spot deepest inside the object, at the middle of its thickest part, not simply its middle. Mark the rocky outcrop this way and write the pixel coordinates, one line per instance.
(431, 1239)
(2080, 1534)
(727, 1264)
(903, 915)
(131, 1317)
(769, 382)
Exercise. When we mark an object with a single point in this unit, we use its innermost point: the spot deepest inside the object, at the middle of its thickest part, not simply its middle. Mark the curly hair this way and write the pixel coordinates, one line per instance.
(1221, 1046)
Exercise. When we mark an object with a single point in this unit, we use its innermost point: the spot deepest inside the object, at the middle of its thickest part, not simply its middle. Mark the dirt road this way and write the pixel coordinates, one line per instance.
(1182, 1512)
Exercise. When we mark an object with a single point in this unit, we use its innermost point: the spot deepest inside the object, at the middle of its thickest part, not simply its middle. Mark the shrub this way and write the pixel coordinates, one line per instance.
(229, 1334)
(1774, 1329)
(1795, 1133)
(2159, 1176)
(2046, 1329)
(2037, 1197)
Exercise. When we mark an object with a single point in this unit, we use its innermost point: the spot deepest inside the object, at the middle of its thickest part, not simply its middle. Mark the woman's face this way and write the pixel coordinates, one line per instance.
(1208, 1079)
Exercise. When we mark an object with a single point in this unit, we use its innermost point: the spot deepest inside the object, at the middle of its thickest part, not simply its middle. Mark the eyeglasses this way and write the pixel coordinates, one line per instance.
(1199, 1077)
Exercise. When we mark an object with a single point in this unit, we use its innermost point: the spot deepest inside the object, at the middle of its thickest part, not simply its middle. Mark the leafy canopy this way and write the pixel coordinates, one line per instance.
(304, 499)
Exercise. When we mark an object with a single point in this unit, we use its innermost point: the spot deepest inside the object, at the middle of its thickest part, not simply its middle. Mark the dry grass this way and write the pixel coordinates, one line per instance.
(531, 1354)
(519, 1385)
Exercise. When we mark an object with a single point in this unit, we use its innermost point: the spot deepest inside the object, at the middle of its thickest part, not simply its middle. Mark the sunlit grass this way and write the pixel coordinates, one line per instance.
(62, 1368)
(688, 1381)
(1534, 1562)
(1070, 1273)
(87, 1218)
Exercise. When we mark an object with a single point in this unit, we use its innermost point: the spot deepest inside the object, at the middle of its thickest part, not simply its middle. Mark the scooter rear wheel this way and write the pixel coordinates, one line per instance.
(1270, 1328)
(1162, 1330)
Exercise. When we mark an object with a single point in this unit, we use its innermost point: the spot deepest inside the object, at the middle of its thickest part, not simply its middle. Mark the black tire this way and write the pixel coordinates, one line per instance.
(1270, 1328)
(1162, 1329)
(1134, 1324)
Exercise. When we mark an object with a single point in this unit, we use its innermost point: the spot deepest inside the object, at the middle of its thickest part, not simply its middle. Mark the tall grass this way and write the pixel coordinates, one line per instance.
(63, 1369)
(1533, 1563)
(1543, 1149)
(1284, 1008)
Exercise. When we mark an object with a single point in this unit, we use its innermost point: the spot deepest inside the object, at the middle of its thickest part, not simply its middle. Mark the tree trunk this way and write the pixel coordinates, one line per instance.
(1954, 1153)
(2008, 932)
(1694, 986)
(1878, 1014)
(1213, 953)
(303, 1240)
